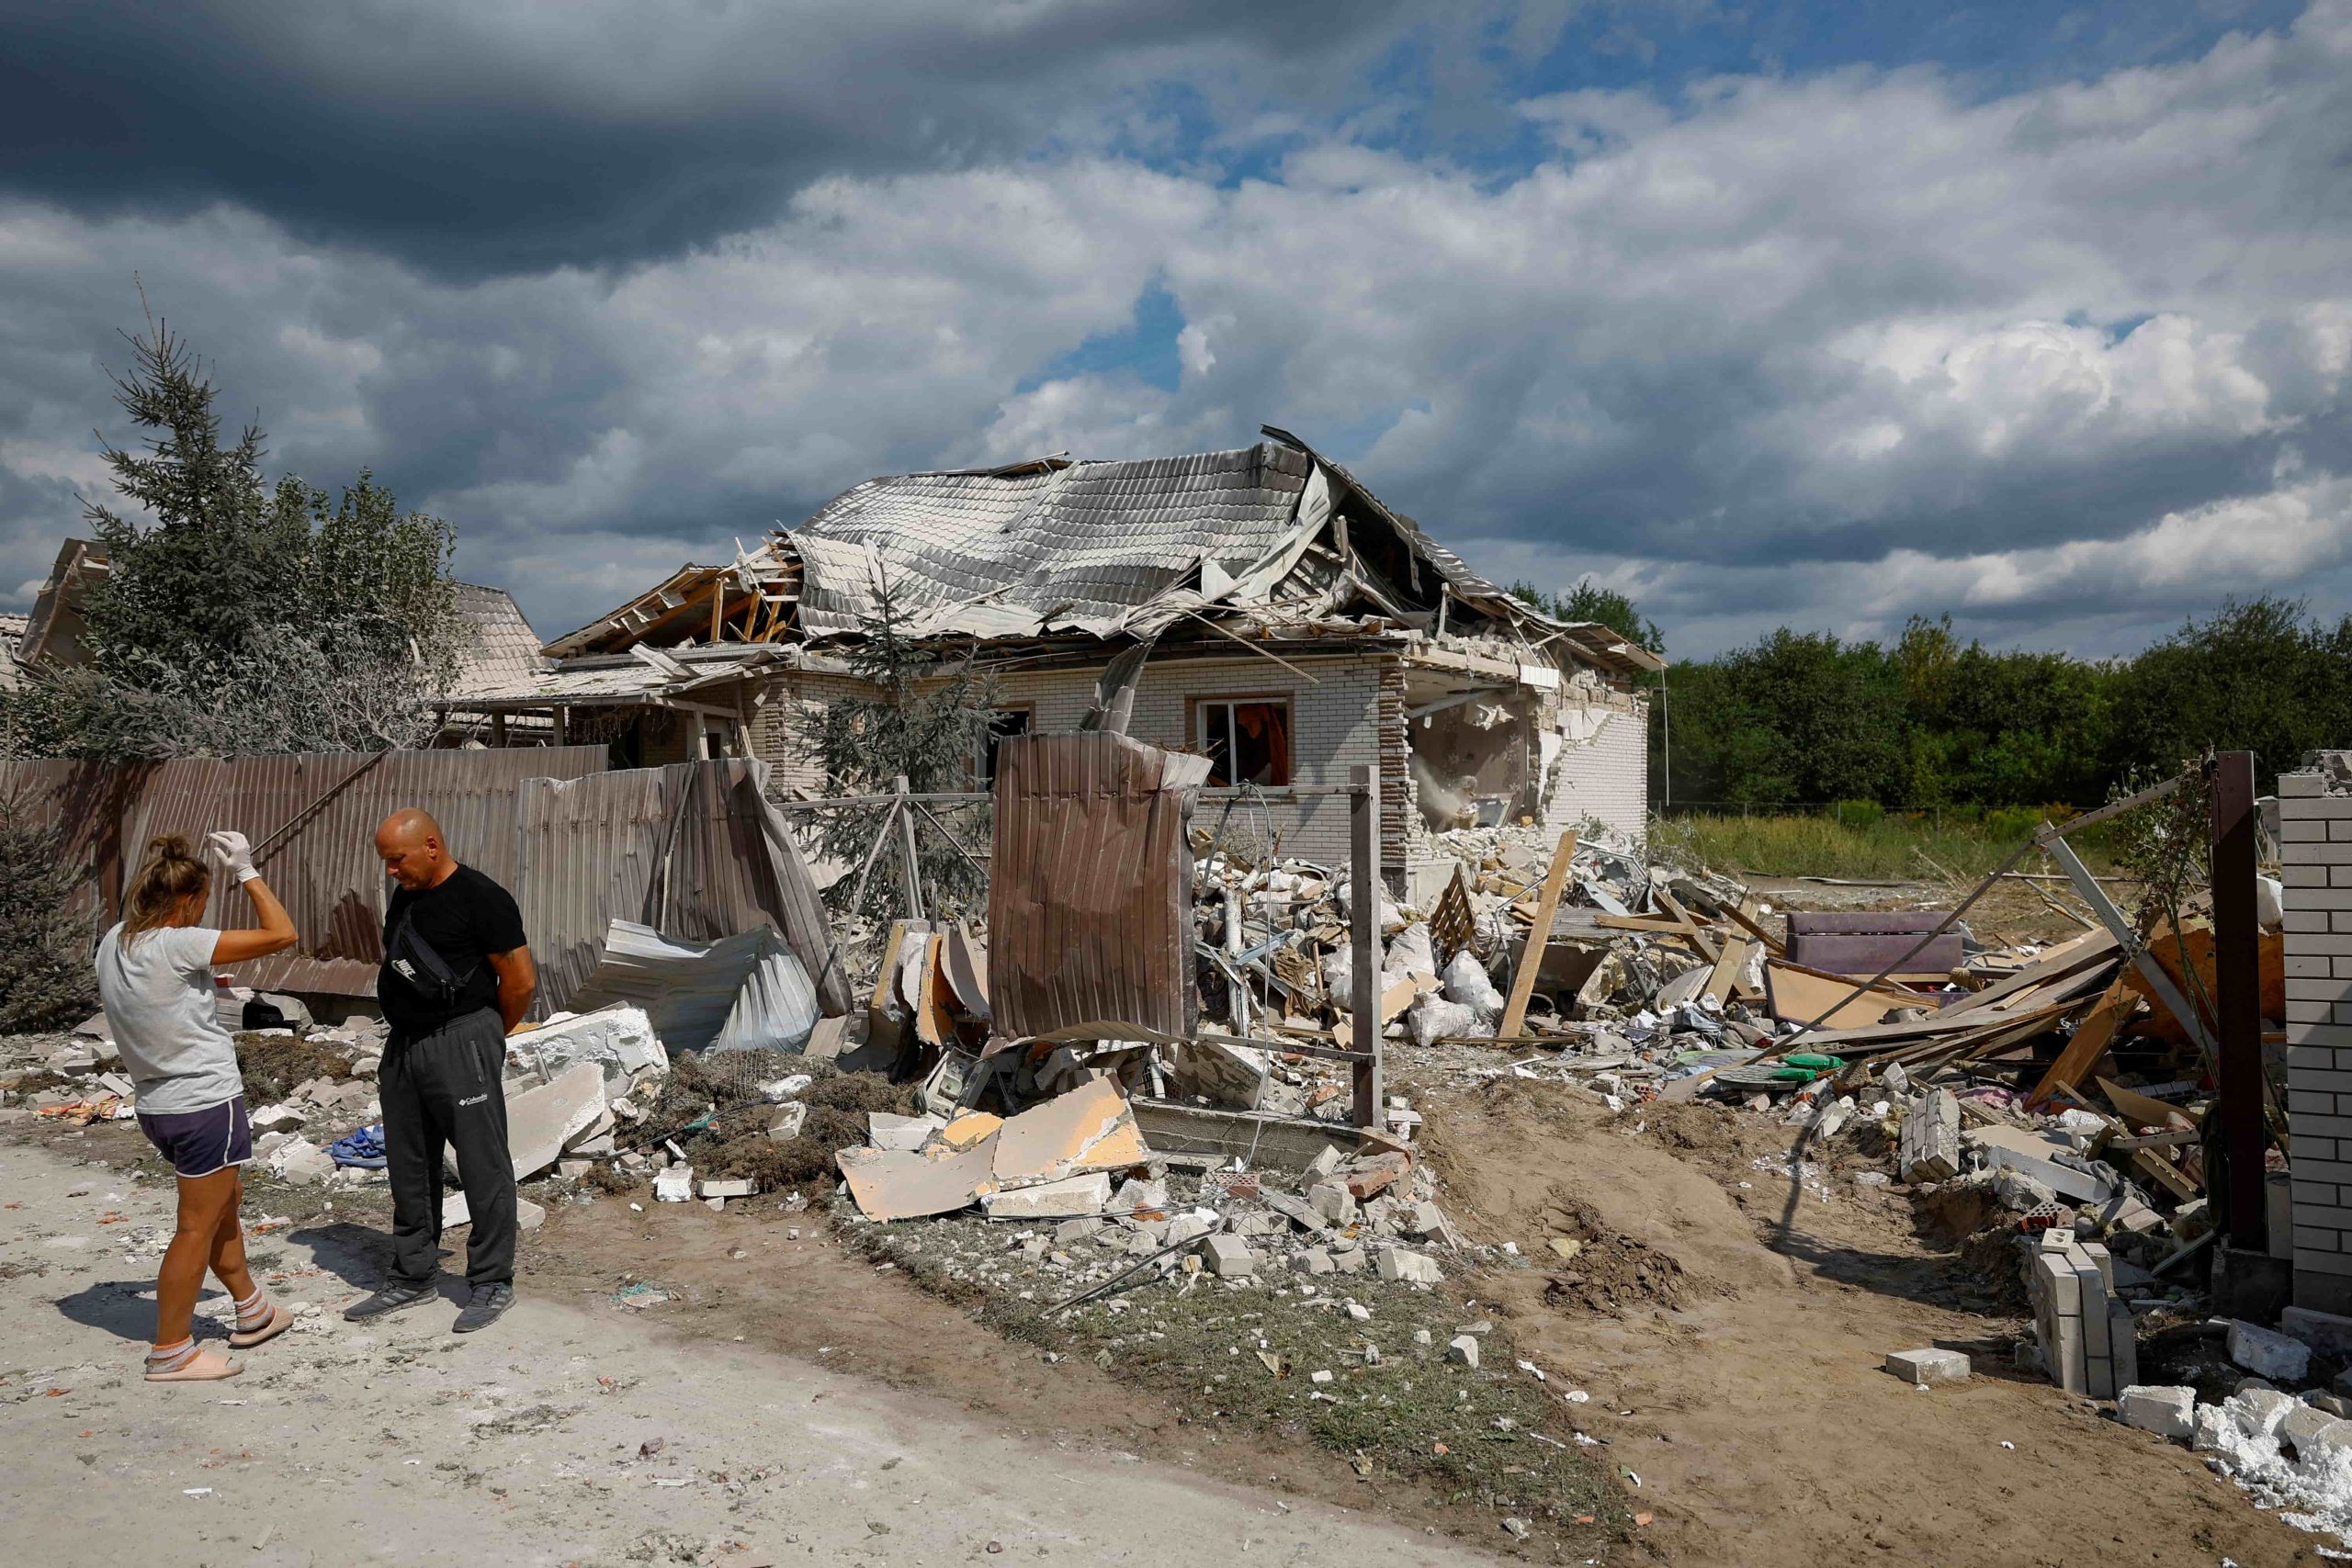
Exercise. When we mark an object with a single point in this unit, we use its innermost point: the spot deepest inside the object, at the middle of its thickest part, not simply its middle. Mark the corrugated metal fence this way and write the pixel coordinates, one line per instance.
(692, 849)
(1090, 887)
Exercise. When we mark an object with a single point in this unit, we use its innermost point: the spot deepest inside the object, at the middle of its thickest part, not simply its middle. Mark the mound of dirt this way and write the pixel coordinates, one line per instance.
(273, 1065)
(1594, 1268)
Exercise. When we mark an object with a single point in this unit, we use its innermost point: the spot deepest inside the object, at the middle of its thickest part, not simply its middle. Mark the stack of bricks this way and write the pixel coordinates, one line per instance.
(2089, 1344)
(2316, 854)
(1927, 1147)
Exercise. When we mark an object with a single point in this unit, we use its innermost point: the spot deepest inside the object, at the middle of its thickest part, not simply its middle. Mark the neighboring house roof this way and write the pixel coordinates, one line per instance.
(12, 635)
(503, 651)
(641, 675)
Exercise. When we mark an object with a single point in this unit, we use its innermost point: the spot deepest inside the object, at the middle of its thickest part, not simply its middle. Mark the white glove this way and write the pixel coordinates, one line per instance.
(232, 853)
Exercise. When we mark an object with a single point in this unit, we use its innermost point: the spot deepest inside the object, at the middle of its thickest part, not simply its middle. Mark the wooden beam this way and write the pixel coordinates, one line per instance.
(2091, 1039)
(1531, 959)
(1699, 939)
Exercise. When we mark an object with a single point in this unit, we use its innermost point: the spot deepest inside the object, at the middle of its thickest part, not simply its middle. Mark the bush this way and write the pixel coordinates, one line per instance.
(46, 981)
(1858, 813)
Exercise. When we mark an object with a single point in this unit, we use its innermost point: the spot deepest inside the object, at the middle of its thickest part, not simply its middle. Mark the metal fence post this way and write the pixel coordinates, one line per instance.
(2238, 1001)
(1364, 940)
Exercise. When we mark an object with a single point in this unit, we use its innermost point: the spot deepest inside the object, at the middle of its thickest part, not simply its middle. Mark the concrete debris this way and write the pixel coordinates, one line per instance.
(619, 1038)
(1927, 1366)
(543, 1120)
(2167, 1410)
(2266, 1354)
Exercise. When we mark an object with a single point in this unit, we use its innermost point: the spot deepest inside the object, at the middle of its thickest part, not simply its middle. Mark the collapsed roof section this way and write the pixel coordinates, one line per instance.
(1274, 538)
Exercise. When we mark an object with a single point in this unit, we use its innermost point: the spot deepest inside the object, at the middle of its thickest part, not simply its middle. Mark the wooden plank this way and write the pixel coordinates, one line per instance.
(1799, 995)
(1728, 968)
(1522, 983)
(1398, 997)
(1699, 939)
(2051, 964)
(1744, 917)
(1651, 925)
(2142, 1110)
(2092, 1037)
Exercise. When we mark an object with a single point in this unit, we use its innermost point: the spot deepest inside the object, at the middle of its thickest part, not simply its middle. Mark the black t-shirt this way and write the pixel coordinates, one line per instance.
(463, 918)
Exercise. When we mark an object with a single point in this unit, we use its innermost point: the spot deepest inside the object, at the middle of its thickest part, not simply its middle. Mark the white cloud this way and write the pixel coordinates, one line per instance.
(1827, 350)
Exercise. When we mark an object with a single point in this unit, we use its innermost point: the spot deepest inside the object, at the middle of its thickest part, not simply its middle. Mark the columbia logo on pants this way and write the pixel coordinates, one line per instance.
(477, 1099)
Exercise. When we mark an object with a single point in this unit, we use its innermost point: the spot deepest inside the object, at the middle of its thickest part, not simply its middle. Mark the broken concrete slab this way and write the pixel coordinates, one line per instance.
(301, 1162)
(1333, 1202)
(901, 1184)
(1398, 1263)
(886, 1130)
(276, 1119)
(2039, 1156)
(619, 1039)
(1090, 1128)
(2266, 1354)
(528, 1216)
(1462, 1349)
(732, 1187)
(1074, 1195)
(2168, 1410)
(542, 1121)
(675, 1185)
(1927, 1366)
(2323, 1331)
(1229, 1256)
(788, 1122)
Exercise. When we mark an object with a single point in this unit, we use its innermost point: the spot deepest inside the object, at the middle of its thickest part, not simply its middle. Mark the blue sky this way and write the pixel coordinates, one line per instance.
(1823, 315)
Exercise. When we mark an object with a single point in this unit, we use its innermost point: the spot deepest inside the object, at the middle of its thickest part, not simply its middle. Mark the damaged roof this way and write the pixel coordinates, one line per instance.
(1273, 533)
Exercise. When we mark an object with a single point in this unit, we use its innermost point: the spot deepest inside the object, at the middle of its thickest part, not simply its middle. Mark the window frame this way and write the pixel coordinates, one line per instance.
(1196, 736)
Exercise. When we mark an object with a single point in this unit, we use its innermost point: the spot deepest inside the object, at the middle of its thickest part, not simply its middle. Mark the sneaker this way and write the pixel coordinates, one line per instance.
(396, 1294)
(488, 1301)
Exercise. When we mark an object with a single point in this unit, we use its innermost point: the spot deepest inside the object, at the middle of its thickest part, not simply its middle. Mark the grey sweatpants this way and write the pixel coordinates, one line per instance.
(448, 1088)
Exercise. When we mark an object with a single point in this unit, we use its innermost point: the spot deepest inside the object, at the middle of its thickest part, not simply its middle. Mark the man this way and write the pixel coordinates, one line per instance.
(455, 981)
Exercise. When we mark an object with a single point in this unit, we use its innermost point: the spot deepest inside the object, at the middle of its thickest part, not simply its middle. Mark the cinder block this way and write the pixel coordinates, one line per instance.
(2334, 1036)
(2300, 787)
(2122, 1344)
(2321, 1260)
(2167, 1410)
(2320, 1126)
(1928, 1365)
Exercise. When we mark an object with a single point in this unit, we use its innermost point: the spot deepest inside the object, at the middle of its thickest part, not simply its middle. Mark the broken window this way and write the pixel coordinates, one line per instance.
(1003, 725)
(1247, 740)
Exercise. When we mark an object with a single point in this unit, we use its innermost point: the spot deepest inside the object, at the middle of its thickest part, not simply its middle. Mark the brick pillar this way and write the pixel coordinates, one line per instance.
(2315, 851)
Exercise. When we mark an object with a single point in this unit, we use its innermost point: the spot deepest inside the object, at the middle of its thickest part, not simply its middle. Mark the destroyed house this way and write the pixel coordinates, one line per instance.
(1296, 628)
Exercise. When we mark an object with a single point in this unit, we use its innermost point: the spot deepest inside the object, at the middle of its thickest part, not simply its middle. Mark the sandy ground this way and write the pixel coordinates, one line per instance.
(1747, 1394)
(568, 1433)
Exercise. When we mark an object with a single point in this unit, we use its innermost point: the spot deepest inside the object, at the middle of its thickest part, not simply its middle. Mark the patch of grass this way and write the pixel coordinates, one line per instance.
(273, 1065)
(1493, 1439)
(1889, 848)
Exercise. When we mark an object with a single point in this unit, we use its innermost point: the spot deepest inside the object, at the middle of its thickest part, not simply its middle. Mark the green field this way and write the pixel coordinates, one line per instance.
(1886, 848)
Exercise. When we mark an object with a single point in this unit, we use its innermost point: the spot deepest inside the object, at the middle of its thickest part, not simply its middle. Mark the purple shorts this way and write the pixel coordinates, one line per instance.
(199, 1143)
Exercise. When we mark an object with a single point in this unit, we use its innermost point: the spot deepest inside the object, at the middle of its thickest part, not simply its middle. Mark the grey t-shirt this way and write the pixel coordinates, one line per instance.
(158, 993)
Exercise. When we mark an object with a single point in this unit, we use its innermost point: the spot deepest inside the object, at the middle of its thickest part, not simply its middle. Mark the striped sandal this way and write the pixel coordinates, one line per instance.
(278, 1321)
(189, 1364)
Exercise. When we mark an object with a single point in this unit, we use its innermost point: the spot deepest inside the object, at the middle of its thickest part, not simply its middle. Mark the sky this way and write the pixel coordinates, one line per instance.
(1822, 315)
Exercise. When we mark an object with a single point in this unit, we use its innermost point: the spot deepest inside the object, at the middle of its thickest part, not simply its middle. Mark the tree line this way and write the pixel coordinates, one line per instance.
(1932, 720)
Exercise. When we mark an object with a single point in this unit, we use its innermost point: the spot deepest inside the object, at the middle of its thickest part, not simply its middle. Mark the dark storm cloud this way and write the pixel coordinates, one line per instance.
(468, 136)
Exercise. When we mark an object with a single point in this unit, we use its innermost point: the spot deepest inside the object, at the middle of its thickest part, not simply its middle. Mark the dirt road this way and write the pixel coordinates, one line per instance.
(562, 1435)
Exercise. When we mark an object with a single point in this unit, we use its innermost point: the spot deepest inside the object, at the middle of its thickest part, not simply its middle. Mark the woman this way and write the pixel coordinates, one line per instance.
(155, 981)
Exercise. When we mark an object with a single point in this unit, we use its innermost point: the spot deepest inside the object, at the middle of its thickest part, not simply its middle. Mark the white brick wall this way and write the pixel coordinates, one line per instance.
(1608, 777)
(1333, 727)
(2316, 865)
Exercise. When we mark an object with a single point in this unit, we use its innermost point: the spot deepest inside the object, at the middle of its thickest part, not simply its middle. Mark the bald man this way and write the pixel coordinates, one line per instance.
(457, 980)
